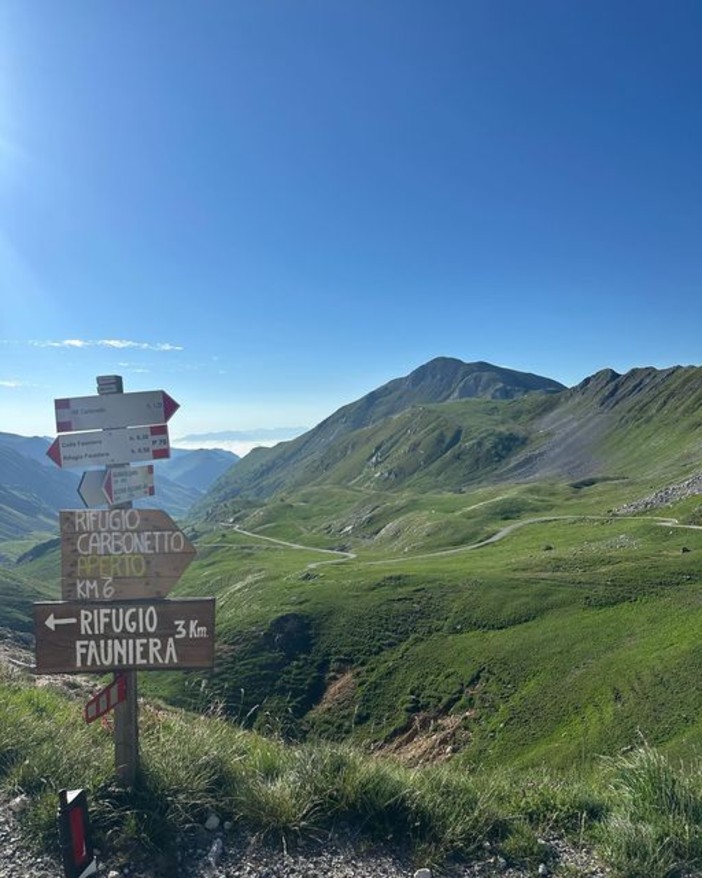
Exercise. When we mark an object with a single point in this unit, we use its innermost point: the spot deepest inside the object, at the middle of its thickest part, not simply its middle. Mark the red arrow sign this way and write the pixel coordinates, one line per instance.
(114, 410)
(103, 447)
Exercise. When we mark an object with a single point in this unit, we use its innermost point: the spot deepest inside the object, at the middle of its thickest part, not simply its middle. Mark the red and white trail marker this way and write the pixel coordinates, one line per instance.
(106, 699)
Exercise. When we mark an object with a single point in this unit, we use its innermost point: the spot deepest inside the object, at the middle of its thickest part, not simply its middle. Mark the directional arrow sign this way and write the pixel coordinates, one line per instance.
(102, 447)
(52, 621)
(114, 410)
(90, 488)
(119, 554)
(144, 635)
(128, 483)
(119, 485)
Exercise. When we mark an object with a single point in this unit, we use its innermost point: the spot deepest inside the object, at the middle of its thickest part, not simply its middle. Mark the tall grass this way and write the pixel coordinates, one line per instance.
(655, 828)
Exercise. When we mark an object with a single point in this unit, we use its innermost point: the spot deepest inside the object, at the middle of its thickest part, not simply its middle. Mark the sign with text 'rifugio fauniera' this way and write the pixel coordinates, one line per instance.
(142, 635)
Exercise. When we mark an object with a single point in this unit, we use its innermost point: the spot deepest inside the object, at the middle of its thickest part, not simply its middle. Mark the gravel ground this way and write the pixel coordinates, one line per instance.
(231, 854)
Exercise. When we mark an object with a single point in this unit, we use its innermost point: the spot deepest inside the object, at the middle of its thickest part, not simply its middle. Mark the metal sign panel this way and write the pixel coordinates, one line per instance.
(118, 485)
(141, 635)
(129, 483)
(90, 488)
(114, 410)
(121, 554)
(104, 447)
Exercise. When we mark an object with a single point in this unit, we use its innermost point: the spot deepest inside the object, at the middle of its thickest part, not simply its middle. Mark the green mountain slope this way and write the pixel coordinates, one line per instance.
(562, 640)
(18, 591)
(264, 471)
(490, 596)
(644, 422)
(609, 426)
(44, 487)
(30, 495)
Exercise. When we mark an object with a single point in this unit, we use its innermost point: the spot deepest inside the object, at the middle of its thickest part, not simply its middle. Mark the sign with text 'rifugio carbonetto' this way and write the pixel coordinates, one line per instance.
(117, 554)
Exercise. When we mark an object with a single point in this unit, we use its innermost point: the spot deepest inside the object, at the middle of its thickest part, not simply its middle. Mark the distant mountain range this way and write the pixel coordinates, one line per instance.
(449, 424)
(33, 489)
(196, 469)
(30, 491)
(274, 434)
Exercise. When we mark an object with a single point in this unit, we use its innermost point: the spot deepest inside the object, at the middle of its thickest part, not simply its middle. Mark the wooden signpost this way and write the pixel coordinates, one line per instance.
(118, 564)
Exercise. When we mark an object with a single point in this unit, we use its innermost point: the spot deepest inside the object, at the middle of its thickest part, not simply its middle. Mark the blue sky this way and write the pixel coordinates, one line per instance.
(270, 208)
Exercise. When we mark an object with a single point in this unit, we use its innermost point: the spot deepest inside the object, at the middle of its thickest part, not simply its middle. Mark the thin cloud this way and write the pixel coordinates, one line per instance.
(13, 384)
(113, 343)
(133, 367)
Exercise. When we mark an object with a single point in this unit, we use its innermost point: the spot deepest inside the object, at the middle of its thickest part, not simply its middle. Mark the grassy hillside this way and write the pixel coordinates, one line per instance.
(265, 471)
(641, 425)
(30, 495)
(18, 591)
(566, 638)
(637, 814)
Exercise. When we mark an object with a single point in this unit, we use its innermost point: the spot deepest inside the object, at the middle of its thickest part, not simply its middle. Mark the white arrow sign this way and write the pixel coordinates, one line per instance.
(152, 635)
(114, 410)
(90, 488)
(102, 447)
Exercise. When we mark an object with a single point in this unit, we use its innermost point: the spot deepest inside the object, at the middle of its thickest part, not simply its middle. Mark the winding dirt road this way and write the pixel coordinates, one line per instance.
(343, 557)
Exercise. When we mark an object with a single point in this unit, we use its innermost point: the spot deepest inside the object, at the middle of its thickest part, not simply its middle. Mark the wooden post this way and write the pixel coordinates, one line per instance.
(126, 712)
(127, 733)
